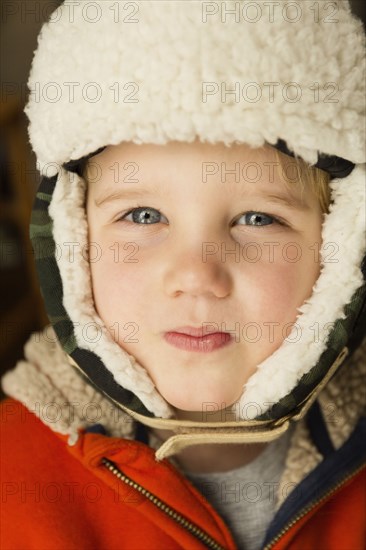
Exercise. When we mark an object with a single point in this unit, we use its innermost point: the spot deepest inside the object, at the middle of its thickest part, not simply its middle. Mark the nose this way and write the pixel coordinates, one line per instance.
(188, 273)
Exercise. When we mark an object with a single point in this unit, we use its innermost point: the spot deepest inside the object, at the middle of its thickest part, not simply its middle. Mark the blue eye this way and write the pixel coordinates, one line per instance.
(144, 215)
(257, 219)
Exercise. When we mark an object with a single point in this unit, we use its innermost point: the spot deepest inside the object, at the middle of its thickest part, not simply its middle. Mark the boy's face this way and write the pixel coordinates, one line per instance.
(206, 251)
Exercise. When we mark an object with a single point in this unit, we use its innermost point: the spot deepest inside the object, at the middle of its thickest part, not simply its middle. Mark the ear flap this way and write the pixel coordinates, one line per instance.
(58, 221)
(329, 318)
(359, 329)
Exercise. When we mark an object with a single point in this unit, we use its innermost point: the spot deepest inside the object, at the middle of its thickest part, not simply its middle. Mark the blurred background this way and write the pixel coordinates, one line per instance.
(21, 308)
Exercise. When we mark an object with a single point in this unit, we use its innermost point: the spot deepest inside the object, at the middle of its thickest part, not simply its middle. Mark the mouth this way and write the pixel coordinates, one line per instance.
(200, 339)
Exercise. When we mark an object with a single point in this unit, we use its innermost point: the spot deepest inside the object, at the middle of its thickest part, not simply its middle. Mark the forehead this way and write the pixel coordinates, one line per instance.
(238, 162)
(164, 169)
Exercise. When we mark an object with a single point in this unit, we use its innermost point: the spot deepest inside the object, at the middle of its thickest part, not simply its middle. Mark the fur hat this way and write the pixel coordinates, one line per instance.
(154, 71)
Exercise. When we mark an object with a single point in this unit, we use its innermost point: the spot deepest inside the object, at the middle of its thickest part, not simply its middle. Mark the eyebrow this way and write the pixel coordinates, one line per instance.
(126, 194)
(289, 201)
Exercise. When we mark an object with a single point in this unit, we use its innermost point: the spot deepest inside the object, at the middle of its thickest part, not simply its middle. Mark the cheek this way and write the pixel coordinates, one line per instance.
(117, 278)
(275, 290)
(119, 290)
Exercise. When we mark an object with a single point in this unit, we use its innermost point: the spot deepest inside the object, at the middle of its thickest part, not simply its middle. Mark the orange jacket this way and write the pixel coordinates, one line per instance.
(61, 497)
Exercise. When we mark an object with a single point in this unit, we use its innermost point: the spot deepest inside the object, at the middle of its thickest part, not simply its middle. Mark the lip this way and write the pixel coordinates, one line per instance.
(197, 331)
(197, 339)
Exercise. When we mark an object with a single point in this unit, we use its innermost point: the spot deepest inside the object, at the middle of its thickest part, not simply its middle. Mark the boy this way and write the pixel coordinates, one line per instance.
(203, 297)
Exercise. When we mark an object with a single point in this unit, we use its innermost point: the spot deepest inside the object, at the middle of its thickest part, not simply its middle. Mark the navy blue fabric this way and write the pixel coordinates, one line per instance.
(332, 470)
(318, 431)
(96, 429)
(337, 167)
(78, 166)
(141, 433)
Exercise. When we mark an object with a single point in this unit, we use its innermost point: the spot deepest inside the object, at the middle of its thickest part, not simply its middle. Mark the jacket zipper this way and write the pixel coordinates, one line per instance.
(201, 535)
(309, 507)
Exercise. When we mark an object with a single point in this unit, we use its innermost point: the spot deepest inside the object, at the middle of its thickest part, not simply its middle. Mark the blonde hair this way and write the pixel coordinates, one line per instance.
(308, 177)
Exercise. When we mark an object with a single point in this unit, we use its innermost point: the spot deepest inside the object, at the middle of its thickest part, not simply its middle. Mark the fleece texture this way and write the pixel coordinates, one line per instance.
(167, 72)
(47, 384)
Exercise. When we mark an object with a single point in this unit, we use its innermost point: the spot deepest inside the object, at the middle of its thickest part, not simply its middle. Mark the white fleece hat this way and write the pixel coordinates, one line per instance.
(153, 71)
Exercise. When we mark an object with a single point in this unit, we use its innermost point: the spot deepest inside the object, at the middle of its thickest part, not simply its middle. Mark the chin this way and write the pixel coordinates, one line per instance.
(208, 405)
